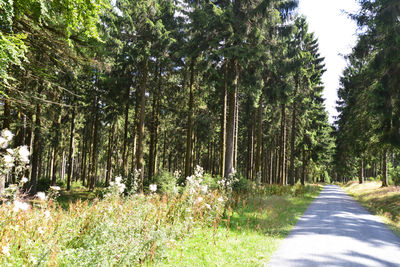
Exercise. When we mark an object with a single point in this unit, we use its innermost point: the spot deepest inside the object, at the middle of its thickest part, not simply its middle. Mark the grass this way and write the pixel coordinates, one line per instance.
(382, 201)
(248, 236)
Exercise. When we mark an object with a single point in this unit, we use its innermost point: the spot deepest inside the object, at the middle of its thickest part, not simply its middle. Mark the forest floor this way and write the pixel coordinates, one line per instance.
(337, 231)
(249, 235)
(382, 201)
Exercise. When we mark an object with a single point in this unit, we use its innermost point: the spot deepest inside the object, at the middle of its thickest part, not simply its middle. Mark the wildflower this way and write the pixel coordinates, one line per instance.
(6, 250)
(199, 200)
(47, 214)
(41, 196)
(220, 199)
(24, 180)
(204, 189)
(3, 142)
(118, 179)
(8, 161)
(23, 153)
(208, 206)
(18, 205)
(153, 188)
(121, 188)
(111, 183)
(40, 230)
(56, 188)
(10, 151)
(8, 135)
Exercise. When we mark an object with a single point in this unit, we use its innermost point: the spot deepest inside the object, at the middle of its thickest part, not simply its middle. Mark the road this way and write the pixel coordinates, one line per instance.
(336, 230)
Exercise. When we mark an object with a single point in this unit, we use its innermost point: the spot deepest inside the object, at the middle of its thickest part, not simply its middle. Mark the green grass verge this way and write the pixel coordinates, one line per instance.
(382, 201)
(248, 236)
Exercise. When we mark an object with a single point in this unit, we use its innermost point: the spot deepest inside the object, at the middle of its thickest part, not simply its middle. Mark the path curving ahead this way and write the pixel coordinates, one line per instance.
(337, 231)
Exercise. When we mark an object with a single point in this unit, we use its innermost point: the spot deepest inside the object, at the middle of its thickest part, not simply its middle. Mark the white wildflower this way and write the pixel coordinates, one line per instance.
(40, 230)
(118, 179)
(23, 153)
(221, 199)
(199, 200)
(24, 180)
(47, 214)
(6, 250)
(7, 134)
(208, 206)
(204, 189)
(10, 151)
(41, 196)
(3, 142)
(8, 161)
(121, 188)
(18, 205)
(33, 260)
(56, 188)
(111, 183)
(153, 188)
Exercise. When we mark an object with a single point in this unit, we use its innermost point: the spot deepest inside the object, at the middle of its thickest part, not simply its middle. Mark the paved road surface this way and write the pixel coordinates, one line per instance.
(337, 231)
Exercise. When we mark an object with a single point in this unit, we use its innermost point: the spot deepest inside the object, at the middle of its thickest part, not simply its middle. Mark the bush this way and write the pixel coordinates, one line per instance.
(167, 182)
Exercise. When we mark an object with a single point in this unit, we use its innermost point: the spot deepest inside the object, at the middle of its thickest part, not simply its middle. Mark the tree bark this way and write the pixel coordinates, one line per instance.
(36, 151)
(223, 120)
(71, 149)
(385, 181)
(124, 148)
(189, 132)
(293, 142)
(140, 127)
(361, 172)
(259, 137)
(230, 133)
(282, 161)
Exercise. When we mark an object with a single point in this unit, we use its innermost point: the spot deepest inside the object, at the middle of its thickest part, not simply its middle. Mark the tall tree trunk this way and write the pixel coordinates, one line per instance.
(385, 181)
(189, 132)
(109, 152)
(154, 127)
(124, 149)
(293, 142)
(259, 137)
(230, 133)
(71, 149)
(283, 146)
(236, 139)
(140, 127)
(361, 172)
(36, 150)
(93, 165)
(223, 119)
(304, 168)
(56, 145)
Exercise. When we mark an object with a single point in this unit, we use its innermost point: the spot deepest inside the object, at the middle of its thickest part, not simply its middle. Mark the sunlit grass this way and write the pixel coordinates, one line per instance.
(383, 201)
(248, 236)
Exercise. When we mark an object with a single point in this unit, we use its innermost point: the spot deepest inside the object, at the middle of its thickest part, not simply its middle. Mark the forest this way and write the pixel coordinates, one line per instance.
(145, 95)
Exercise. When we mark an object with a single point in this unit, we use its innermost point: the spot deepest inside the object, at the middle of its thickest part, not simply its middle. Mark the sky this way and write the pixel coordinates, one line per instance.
(336, 34)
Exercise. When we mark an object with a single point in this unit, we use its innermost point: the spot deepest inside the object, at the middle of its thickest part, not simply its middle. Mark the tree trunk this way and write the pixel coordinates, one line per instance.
(293, 143)
(230, 133)
(56, 145)
(189, 133)
(223, 119)
(385, 181)
(124, 149)
(36, 151)
(236, 139)
(361, 172)
(71, 150)
(140, 127)
(259, 137)
(282, 160)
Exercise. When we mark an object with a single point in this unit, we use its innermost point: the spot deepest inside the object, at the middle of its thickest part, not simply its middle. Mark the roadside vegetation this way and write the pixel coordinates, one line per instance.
(383, 201)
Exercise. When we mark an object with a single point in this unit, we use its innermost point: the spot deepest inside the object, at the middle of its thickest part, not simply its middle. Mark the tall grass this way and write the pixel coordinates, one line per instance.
(112, 231)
